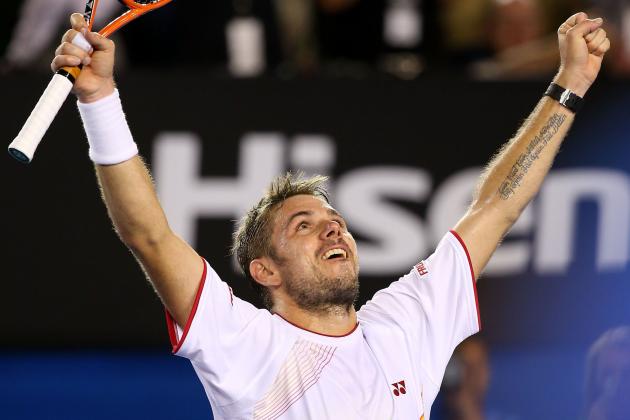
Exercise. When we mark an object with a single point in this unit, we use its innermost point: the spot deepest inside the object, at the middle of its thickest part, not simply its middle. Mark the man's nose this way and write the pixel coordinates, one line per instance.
(331, 230)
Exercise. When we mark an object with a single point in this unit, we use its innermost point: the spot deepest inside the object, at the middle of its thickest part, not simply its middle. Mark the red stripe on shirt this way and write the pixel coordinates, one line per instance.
(170, 322)
(472, 274)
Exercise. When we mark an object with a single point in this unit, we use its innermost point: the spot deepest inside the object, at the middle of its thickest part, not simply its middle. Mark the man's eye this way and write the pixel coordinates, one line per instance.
(302, 225)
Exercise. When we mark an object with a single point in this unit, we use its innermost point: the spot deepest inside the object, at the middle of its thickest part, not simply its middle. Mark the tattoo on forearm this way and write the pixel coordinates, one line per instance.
(531, 154)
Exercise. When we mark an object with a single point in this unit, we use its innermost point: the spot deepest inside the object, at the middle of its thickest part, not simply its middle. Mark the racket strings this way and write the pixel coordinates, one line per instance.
(145, 2)
(140, 2)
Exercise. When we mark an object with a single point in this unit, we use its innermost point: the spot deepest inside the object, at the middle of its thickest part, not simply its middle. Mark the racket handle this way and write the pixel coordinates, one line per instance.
(24, 145)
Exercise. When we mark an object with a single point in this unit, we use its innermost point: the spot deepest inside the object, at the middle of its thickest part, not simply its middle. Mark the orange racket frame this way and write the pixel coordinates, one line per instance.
(135, 10)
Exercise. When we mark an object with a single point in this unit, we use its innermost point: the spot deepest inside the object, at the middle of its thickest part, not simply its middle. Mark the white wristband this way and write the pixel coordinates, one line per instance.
(107, 130)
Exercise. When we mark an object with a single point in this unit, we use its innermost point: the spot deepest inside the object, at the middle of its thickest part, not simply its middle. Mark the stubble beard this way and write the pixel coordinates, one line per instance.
(319, 293)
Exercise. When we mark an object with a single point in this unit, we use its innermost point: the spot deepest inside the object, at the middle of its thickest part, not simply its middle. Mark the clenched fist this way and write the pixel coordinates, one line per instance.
(96, 79)
(583, 43)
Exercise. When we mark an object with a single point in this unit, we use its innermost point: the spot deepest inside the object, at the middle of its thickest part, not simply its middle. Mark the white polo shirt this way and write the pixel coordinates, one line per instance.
(254, 364)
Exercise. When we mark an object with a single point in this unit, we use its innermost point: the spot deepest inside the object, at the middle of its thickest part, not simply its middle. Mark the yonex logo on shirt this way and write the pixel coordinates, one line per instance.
(399, 388)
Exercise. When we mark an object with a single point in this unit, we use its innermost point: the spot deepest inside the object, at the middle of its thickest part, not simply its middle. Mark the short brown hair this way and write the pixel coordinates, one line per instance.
(252, 238)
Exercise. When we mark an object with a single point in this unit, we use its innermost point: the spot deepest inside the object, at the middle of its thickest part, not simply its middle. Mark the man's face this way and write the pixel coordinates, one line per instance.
(315, 254)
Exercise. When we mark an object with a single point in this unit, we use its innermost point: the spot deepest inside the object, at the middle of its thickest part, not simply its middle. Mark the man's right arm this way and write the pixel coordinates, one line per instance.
(172, 266)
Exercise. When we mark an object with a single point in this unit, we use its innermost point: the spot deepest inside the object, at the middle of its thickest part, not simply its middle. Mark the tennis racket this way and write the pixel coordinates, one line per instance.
(24, 145)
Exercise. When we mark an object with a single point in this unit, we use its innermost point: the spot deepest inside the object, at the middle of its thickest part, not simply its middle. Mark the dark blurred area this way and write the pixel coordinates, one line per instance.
(480, 39)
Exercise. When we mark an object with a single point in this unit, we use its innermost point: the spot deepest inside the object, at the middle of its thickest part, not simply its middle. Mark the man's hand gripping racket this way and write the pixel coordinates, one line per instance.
(84, 53)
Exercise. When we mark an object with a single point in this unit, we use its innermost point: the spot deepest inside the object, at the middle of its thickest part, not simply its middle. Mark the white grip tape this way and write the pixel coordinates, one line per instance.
(42, 116)
(80, 41)
(24, 145)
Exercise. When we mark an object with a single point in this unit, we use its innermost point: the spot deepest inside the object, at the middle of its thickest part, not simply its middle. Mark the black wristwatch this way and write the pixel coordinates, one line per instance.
(565, 97)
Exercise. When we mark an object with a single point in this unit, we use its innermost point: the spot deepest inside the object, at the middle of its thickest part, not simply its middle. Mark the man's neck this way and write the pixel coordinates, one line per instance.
(333, 320)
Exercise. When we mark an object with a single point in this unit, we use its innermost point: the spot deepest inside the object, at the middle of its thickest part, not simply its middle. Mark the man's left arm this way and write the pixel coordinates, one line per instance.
(516, 173)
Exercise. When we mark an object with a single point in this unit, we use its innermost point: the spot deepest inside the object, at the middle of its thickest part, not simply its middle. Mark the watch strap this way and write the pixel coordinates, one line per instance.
(565, 97)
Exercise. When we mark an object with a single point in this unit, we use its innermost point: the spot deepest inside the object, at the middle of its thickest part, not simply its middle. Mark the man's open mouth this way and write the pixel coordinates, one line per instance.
(335, 253)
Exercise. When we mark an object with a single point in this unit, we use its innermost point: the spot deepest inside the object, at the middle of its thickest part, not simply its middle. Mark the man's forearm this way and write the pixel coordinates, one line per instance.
(172, 266)
(514, 176)
(132, 204)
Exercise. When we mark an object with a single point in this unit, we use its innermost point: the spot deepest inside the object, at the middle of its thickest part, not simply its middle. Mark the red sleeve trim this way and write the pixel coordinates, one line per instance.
(472, 273)
(170, 322)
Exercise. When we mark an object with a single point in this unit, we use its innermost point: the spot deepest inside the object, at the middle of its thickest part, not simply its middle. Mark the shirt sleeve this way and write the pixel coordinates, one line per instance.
(435, 305)
(224, 337)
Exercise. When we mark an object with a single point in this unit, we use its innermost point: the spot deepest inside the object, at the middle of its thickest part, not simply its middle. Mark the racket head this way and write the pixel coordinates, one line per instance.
(144, 4)
(137, 8)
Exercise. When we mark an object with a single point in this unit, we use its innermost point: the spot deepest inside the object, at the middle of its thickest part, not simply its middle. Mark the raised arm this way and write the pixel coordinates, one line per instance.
(172, 266)
(515, 174)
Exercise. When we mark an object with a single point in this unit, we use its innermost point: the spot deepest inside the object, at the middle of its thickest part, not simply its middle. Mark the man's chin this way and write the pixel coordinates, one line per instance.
(342, 268)
(336, 291)
(347, 285)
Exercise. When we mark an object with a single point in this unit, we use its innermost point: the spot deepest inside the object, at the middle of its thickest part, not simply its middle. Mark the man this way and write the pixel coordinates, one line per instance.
(466, 382)
(312, 355)
(608, 376)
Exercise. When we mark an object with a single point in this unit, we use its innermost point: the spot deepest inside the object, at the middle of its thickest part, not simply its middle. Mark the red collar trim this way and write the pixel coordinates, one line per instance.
(314, 332)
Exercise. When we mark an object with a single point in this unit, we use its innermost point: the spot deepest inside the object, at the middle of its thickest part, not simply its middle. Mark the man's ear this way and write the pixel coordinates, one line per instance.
(264, 271)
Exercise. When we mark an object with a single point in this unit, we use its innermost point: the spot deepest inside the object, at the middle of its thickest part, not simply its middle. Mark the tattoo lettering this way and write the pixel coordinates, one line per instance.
(531, 154)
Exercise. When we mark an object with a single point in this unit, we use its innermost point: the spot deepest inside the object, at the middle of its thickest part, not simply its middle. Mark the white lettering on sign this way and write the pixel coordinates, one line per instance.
(559, 199)
(395, 237)
(186, 196)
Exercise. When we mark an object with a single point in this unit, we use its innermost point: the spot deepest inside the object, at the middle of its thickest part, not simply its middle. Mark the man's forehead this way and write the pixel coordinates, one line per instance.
(303, 203)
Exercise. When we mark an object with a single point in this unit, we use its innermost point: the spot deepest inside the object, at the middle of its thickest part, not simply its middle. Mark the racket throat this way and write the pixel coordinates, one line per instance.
(70, 73)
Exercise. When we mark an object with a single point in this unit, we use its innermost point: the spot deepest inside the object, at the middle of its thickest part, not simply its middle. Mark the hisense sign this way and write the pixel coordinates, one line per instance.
(396, 238)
